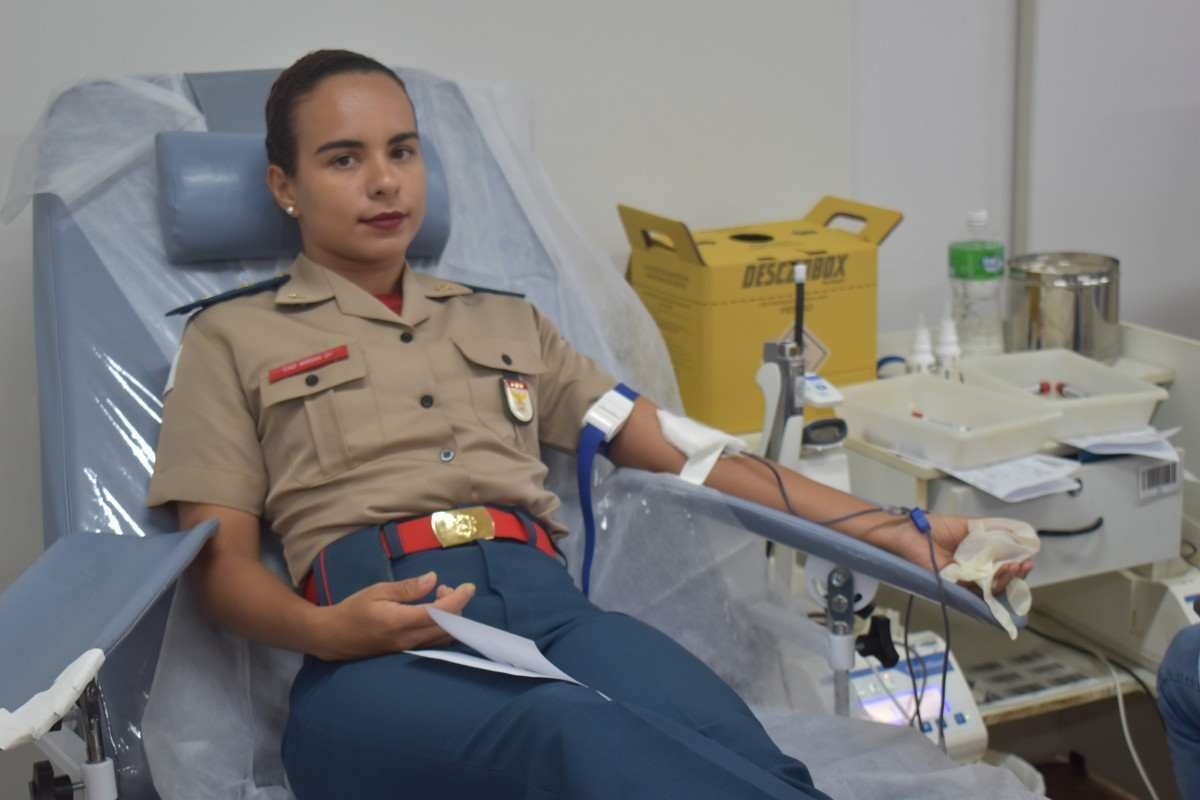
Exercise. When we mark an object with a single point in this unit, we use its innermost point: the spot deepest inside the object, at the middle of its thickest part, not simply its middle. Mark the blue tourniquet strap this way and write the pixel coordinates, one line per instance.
(591, 441)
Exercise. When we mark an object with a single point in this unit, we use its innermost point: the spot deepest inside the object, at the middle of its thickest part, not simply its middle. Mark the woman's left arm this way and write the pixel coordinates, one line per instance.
(641, 445)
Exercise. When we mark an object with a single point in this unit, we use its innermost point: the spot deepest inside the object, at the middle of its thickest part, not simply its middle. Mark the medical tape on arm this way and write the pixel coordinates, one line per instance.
(701, 445)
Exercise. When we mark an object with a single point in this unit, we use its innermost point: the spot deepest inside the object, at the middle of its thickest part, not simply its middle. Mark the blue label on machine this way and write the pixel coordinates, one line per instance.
(922, 665)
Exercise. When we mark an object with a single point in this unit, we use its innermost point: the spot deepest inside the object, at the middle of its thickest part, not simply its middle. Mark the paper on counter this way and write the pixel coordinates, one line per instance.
(1148, 442)
(502, 651)
(1021, 478)
(1011, 481)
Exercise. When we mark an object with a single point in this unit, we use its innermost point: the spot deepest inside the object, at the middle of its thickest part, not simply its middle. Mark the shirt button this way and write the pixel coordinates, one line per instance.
(312, 380)
(446, 455)
(505, 358)
(426, 400)
(406, 337)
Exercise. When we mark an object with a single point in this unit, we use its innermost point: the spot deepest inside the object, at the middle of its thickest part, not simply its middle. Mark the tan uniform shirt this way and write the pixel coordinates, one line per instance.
(408, 419)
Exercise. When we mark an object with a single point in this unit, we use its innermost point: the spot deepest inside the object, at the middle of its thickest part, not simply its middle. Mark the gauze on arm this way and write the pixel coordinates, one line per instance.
(701, 444)
(989, 545)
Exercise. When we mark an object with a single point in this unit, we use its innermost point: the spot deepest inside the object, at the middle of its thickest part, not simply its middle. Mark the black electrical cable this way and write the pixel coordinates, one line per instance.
(787, 501)
(798, 330)
(1090, 528)
(945, 636)
(917, 696)
(1113, 661)
(945, 653)
(846, 517)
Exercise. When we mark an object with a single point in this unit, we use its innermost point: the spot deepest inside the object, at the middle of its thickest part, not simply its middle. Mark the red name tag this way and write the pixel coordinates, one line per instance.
(339, 353)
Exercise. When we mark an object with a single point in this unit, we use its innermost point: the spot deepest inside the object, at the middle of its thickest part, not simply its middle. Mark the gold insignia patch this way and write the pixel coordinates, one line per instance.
(518, 399)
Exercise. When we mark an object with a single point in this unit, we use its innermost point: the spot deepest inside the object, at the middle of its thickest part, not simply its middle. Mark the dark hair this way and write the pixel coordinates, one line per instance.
(298, 80)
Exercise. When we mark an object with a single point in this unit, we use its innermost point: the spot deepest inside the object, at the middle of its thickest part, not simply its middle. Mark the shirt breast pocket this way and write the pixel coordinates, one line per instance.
(503, 378)
(321, 421)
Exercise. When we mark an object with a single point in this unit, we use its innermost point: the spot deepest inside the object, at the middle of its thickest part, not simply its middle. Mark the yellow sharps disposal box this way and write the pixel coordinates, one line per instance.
(718, 295)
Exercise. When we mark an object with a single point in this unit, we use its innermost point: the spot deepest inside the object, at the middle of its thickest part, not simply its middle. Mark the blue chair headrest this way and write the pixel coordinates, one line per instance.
(214, 204)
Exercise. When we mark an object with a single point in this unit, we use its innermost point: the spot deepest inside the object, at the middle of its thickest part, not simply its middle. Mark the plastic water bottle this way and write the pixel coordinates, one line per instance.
(977, 287)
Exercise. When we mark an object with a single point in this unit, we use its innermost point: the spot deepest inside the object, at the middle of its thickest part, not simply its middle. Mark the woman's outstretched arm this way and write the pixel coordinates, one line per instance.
(641, 445)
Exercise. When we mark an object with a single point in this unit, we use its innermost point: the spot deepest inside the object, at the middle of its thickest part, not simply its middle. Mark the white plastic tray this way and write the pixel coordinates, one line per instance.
(958, 426)
(1108, 400)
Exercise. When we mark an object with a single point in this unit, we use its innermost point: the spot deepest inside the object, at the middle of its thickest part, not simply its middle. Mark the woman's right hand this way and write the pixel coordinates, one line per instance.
(383, 618)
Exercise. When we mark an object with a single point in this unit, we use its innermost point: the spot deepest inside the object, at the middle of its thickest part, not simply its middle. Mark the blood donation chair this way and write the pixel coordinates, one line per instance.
(148, 193)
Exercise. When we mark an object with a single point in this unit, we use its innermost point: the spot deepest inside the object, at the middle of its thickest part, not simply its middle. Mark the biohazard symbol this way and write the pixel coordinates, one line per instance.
(815, 351)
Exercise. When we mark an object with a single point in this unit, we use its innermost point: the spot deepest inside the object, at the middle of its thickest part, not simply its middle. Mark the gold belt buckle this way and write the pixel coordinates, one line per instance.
(462, 525)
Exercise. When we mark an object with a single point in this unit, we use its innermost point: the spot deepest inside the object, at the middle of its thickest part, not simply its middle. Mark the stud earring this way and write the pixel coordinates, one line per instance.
(291, 211)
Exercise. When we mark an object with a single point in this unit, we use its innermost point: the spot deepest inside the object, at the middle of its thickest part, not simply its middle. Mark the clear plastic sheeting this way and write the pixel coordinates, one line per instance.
(630, 337)
(675, 560)
(218, 706)
(113, 119)
(94, 149)
(855, 760)
(679, 561)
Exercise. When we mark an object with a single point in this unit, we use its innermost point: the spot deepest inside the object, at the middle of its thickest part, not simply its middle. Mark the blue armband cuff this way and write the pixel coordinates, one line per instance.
(602, 422)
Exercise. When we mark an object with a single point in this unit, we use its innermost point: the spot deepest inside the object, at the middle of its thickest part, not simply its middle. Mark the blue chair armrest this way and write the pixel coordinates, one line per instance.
(85, 593)
(833, 546)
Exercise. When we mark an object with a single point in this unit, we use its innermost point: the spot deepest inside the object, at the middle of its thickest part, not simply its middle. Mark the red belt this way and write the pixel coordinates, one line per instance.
(449, 529)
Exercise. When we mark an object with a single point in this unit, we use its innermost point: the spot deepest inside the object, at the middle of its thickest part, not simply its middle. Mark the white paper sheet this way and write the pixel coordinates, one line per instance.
(1148, 442)
(1022, 478)
(478, 662)
(501, 651)
(1012, 481)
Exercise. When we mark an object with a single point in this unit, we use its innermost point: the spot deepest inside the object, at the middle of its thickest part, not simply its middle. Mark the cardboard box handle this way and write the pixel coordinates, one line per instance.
(877, 222)
(647, 231)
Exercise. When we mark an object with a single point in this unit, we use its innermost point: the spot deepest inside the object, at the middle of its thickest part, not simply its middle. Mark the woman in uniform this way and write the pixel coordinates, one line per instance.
(375, 417)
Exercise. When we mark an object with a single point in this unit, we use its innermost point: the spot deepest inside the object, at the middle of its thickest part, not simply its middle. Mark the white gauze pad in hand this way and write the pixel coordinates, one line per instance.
(701, 444)
(989, 545)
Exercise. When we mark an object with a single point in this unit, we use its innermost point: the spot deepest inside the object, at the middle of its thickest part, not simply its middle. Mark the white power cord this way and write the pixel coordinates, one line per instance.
(1116, 681)
(1125, 725)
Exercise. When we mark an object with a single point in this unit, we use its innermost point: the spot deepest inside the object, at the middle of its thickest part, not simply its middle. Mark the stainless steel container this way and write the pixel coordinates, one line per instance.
(1064, 300)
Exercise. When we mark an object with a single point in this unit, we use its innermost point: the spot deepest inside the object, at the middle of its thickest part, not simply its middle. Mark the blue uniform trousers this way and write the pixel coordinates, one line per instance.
(1179, 700)
(403, 726)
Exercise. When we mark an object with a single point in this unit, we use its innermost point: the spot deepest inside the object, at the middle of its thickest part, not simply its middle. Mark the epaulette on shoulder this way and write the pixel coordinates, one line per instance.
(486, 290)
(241, 291)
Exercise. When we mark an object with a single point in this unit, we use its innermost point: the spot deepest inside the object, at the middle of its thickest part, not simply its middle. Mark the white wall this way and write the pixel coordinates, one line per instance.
(718, 113)
(1077, 124)
(933, 124)
(1113, 143)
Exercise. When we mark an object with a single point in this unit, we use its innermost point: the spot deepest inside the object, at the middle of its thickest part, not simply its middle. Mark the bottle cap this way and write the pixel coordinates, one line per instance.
(922, 350)
(977, 218)
(947, 346)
